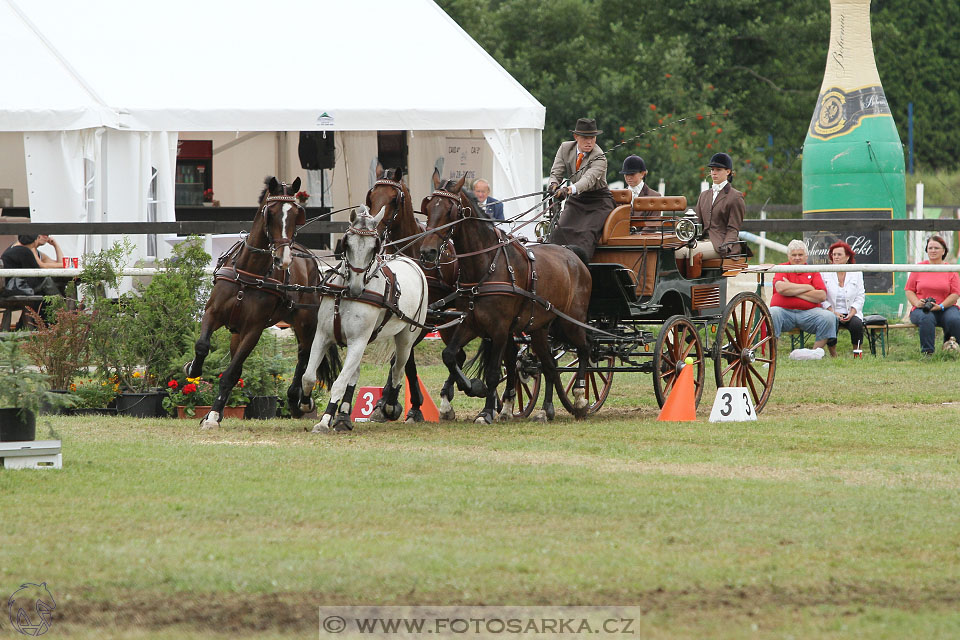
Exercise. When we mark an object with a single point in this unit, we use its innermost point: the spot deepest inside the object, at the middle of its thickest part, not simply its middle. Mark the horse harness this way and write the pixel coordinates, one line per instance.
(486, 287)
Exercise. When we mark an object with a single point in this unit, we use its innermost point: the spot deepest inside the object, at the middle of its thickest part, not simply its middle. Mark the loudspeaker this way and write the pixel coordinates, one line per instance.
(316, 151)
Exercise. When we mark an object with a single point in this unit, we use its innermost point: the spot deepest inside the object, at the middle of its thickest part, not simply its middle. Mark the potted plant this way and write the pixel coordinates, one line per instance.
(60, 349)
(208, 198)
(94, 396)
(196, 396)
(22, 392)
(139, 333)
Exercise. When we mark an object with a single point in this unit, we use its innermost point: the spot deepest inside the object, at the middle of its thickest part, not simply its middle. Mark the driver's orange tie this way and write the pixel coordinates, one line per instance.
(579, 160)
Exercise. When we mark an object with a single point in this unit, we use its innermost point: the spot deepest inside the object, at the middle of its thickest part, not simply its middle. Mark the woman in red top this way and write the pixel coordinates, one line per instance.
(934, 298)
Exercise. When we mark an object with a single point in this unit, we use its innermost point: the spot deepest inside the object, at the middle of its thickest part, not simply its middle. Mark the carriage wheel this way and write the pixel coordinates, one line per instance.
(528, 383)
(745, 352)
(678, 340)
(598, 382)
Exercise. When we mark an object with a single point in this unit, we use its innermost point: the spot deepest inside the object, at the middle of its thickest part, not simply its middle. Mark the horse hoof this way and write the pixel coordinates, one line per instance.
(550, 411)
(414, 416)
(579, 397)
(483, 418)
(505, 416)
(448, 415)
(377, 415)
(342, 423)
(539, 416)
(477, 388)
(210, 421)
(321, 428)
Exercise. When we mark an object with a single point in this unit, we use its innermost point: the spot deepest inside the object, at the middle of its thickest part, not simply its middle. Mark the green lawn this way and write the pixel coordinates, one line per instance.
(833, 515)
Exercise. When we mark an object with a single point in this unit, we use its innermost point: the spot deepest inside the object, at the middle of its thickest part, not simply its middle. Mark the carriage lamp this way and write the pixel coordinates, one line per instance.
(685, 229)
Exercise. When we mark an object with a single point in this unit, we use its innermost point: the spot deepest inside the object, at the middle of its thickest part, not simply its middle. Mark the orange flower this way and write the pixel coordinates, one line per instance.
(674, 138)
(709, 146)
(667, 75)
(675, 145)
(660, 121)
(622, 129)
(759, 177)
(719, 130)
(699, 117)
(653, 107)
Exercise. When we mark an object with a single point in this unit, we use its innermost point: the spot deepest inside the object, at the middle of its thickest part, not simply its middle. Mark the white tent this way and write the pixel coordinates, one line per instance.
(102, 90)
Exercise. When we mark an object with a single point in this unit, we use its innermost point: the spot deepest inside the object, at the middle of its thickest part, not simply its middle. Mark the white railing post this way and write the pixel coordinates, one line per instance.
(763, 237)
(662, 187)
(918, 248)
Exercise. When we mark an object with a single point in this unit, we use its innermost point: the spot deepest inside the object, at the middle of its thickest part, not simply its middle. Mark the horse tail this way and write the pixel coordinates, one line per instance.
(329, 369)
(476, 367)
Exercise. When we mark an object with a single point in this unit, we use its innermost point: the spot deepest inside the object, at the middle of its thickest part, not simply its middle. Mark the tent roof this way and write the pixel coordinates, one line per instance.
(239, 65)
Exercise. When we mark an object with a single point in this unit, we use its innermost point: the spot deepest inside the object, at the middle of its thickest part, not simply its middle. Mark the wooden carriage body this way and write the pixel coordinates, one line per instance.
(636, 274)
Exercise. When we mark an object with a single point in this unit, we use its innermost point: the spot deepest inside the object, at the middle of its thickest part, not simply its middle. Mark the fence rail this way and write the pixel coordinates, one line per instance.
(196, 227)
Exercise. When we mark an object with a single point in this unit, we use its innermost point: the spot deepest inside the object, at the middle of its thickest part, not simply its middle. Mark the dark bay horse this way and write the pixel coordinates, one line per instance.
(391, 192)
(249, 294)
(499, 275)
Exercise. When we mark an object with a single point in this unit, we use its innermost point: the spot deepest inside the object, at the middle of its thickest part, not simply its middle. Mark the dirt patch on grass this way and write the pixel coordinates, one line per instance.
(298, 612)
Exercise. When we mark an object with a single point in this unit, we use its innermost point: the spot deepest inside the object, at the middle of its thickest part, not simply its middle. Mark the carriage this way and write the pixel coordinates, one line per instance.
(650, 311)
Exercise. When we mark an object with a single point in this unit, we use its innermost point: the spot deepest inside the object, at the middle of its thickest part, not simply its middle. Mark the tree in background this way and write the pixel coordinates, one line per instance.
(751, 68)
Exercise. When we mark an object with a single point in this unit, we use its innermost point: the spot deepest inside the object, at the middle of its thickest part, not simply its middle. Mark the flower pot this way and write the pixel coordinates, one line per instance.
(17, 426)
(262, 408)
(148, 404)
(199, 411)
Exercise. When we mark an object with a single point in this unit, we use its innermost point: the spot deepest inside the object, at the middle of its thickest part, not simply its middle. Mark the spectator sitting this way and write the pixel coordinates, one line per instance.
(934, 298)
(20, 255)
(493, 207)
(796, 300)
(42, 259)
(845, 295)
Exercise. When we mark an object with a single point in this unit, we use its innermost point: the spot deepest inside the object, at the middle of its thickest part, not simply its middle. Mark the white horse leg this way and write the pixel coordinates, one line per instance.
(350, 371)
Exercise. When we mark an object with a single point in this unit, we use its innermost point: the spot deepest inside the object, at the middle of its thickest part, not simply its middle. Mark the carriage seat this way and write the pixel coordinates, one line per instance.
(617, 228)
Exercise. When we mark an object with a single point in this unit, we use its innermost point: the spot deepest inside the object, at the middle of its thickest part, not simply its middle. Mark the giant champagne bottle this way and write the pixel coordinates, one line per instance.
(853, 158)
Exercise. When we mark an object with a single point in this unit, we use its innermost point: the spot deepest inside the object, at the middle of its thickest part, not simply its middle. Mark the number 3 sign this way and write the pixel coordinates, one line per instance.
(733, 404)
(366, 401)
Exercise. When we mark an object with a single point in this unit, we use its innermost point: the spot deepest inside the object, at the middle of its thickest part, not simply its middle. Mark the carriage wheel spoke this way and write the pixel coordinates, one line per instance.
(753, 390)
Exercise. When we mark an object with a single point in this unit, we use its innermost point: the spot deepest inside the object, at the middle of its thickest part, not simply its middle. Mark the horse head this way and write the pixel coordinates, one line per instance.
(280, 213)
(389, 191)
(361, 245)
(445, 205)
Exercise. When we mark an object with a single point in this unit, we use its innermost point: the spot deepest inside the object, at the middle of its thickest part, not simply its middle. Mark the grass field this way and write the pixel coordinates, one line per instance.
(833, 515)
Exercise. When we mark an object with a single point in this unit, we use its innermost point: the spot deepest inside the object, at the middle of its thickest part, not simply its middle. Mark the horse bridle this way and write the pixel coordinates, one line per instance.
(448, 233)
(398, 202)
(376, 252)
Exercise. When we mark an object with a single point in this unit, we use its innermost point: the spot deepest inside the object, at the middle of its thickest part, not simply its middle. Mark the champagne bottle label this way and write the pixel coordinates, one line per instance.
(838, 112)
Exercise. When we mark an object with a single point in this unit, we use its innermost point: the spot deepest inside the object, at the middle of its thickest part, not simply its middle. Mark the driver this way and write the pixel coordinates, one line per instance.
(590, 201)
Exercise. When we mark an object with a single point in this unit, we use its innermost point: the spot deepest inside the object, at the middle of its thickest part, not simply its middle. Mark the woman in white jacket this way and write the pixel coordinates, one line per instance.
(845, 295)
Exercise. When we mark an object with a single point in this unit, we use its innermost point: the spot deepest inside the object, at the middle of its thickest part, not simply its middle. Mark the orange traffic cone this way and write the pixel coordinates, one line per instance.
(681, 405)
(429, 409)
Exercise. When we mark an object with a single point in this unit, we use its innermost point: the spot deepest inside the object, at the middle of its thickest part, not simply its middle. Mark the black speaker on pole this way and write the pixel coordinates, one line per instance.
(316, 150)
